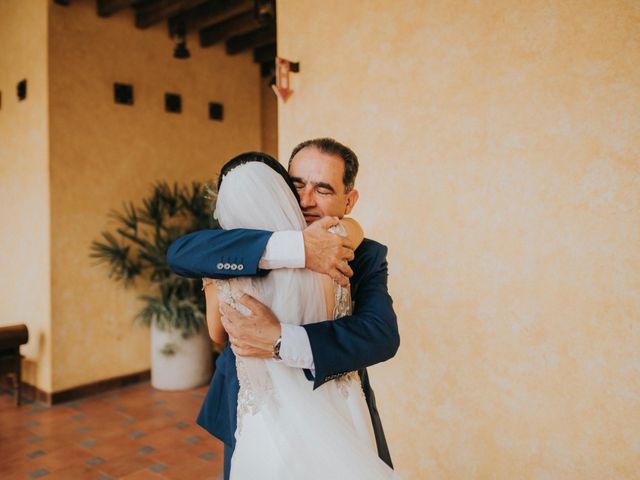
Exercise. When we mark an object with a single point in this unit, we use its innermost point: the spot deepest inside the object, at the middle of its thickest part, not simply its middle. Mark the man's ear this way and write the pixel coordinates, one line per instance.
(352, 198)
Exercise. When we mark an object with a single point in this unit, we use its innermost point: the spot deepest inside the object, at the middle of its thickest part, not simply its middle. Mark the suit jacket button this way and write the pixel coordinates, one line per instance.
(240, 267)
(220, 266)
(227, 266)
(234, 266)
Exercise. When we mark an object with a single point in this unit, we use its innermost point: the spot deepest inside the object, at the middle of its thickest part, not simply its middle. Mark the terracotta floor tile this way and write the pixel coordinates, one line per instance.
(93, 405)
(51, 440)
(51, 444)
(9, 430)
(126, 464)
(17, 476)
(163, 439)
(172, 456)
(162, 424)
(76, 472)
(19, 466)
(197, 468)
(153, 416)
(61, 457)
(209, 459)
(14, 451)
(145, 474)
(108, 430)
(211, 445)
(119, 434)
(114, 448)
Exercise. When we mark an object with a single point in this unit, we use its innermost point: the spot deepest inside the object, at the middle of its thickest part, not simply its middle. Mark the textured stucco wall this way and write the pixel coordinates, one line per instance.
(25, 286)
(269, 118)
(500, 153)
(103, 154)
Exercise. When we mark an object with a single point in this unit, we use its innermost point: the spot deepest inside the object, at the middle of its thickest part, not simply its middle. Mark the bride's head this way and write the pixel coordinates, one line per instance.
(261, 157)
(254, 191)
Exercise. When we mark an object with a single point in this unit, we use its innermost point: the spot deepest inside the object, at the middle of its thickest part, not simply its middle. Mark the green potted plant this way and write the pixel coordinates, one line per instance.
(136, 250)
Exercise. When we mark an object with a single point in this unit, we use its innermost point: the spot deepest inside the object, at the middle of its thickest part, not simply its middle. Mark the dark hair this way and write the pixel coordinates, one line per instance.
(333, 147)
(257, 157)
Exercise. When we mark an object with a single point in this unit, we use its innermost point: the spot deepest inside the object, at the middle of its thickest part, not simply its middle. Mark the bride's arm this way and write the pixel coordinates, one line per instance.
(214, 325)
(354, 231)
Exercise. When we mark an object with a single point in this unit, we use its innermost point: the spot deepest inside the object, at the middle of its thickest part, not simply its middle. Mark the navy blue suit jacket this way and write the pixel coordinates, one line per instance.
(368, 336)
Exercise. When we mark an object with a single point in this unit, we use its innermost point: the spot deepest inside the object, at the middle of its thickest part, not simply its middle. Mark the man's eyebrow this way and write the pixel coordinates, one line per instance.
(315, 184)
(325, 185)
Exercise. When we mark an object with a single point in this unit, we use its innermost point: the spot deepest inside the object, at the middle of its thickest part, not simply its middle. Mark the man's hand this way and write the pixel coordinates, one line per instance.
(326, 252)
(253, 335)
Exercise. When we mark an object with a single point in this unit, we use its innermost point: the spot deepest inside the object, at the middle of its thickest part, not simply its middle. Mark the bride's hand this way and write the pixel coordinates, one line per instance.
(253, 335)
(326, 252)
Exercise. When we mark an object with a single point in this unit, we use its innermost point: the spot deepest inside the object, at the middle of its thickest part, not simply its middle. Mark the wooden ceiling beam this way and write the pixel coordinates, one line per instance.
(148, 14)
(264, 54)
(267, 69)
(107, 8)
(241, 23)
(246, 41)
(212, 11)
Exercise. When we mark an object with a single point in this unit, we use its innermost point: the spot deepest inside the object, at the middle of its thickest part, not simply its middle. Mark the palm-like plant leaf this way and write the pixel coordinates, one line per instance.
(128, 217)
(137, 248)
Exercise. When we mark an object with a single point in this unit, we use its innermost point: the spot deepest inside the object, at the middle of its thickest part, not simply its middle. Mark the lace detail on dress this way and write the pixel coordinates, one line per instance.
(343, 307)
(248, 401)
(251, 397)
(345, 382)
(343, 302)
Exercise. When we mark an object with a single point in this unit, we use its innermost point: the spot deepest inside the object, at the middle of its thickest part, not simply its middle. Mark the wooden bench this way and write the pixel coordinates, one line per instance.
(11, 337)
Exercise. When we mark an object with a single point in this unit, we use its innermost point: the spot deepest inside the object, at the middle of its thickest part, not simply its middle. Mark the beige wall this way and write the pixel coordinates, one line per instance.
(25, 287)
(269, 118)
(499, 144)
(103, 154)
(68, 155)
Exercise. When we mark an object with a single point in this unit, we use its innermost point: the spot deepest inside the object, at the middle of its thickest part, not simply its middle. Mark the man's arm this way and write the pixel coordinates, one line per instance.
(368, 336)
(234, 253)
(218, 253)
(228, 253)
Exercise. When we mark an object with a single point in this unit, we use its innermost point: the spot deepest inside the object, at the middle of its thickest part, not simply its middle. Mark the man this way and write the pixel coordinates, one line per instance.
(323, 172)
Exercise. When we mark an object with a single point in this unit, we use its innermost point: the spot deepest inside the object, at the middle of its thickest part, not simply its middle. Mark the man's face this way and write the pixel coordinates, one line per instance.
(317, 177)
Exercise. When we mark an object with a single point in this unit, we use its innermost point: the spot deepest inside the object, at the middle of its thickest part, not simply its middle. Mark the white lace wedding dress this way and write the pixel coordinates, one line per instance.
(286, 429)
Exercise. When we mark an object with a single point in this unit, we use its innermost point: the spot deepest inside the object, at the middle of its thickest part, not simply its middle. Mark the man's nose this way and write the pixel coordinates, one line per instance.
(306, 198)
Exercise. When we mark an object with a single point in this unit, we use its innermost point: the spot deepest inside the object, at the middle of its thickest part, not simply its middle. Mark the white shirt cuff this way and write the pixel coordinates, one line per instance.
(284, 250)
(295, 348)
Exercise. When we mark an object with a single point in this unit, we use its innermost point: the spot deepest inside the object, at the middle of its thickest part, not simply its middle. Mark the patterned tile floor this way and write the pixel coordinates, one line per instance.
(133, 433)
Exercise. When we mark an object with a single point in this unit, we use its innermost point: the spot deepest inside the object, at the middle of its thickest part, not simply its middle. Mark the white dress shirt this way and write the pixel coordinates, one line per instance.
(286, 250)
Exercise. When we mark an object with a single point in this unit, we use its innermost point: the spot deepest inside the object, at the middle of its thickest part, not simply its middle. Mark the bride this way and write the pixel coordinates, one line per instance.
(285, 428)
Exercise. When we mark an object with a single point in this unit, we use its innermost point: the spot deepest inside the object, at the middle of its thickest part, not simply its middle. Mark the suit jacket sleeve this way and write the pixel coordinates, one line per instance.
(218, 253)
(368, 336)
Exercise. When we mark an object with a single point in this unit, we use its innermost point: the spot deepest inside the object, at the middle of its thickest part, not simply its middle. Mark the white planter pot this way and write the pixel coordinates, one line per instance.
(178, 363)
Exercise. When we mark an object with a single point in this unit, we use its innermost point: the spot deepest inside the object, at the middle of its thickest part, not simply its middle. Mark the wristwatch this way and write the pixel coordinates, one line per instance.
(276, 349)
